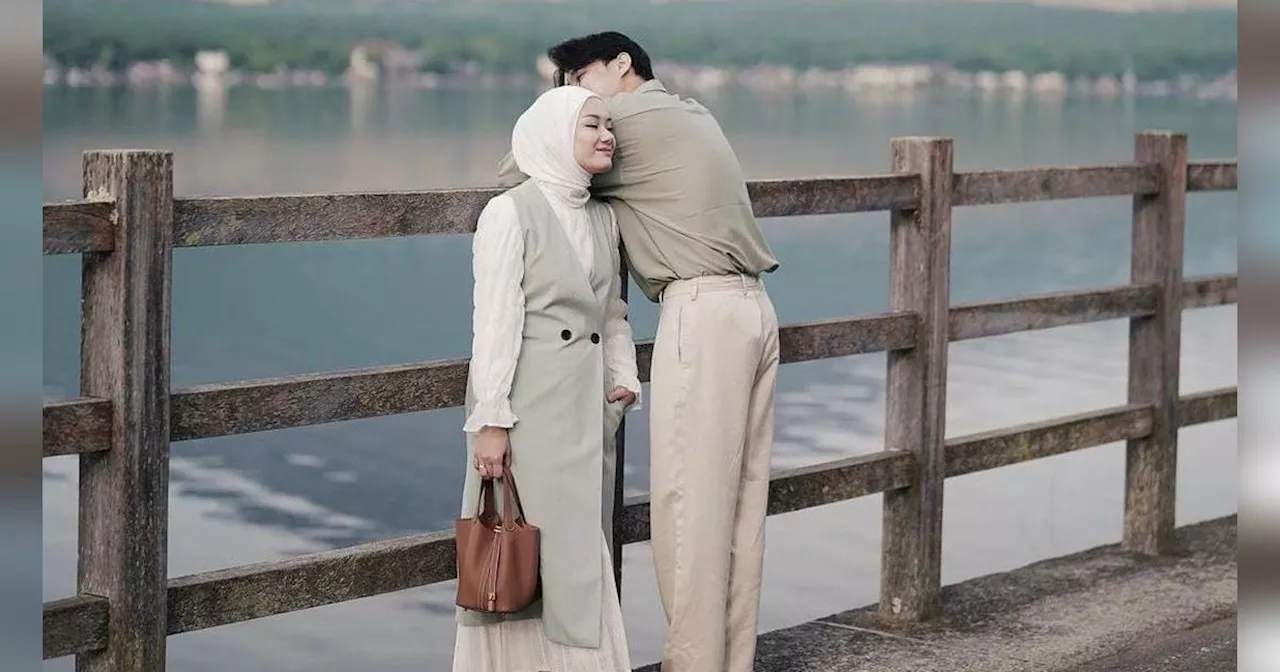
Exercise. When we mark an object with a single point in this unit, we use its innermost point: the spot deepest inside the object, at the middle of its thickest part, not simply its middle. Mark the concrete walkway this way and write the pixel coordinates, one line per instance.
(1100, 610)
(1208, 648)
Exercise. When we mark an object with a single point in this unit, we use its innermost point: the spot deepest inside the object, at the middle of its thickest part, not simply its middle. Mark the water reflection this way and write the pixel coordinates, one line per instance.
(211, 104)
(258, 311)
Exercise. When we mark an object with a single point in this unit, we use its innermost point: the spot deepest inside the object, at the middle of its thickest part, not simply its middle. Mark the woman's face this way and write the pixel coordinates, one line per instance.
(593, 138)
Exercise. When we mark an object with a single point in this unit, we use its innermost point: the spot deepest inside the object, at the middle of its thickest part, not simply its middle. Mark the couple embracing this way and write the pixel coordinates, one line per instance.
(611, 157)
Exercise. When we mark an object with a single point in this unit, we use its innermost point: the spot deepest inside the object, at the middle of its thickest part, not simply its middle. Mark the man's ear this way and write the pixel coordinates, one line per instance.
(624, 62)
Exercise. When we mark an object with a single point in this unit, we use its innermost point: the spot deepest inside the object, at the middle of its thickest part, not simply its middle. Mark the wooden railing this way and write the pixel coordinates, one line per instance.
(127, 417)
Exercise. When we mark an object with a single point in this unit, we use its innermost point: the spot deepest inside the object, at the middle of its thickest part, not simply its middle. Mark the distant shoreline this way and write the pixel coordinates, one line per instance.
(1172, 47)
(869, 79)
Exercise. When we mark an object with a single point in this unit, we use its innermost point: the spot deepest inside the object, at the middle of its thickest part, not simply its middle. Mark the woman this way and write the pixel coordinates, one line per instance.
(553, 369)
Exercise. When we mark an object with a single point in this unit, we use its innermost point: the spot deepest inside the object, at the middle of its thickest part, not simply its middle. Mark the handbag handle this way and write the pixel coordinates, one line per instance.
(489, 513)
(510, 493)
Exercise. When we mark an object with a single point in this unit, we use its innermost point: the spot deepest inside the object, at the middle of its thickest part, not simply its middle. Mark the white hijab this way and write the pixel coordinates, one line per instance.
(542, 144)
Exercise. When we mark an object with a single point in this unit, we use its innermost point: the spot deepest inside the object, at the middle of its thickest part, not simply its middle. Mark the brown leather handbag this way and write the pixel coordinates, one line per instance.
(497, 560)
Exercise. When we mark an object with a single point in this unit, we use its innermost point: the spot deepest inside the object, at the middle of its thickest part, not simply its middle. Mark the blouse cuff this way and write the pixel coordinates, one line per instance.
(495, 413)
(631, 383)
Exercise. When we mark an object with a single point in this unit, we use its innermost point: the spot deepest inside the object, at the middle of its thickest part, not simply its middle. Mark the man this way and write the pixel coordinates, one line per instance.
(693, 245)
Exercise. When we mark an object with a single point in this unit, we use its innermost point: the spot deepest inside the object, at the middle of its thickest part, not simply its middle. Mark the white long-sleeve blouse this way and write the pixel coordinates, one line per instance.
(499, 303)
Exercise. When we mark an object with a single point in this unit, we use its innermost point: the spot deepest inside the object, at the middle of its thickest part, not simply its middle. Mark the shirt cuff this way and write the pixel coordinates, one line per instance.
(631, 383)
(495, 413)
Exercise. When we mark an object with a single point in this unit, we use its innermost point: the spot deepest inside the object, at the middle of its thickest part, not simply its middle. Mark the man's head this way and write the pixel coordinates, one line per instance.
(607, 63)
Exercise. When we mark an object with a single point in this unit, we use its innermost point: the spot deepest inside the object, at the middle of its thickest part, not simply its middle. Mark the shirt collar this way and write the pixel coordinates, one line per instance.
(651, 85)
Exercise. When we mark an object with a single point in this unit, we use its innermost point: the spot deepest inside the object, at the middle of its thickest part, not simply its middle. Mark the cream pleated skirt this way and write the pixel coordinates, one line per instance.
(522, 646)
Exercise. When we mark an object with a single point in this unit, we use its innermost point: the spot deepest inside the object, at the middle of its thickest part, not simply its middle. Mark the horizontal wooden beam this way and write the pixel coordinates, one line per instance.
(1212, 175)
(843, 337)
(1208, 406)
(1032, 441)
(223, 409)
(839, 480)
(243, 593)
(87, 225)
(238, 594)
(81, 425)
(803, 487)
(209, 599)
(75, 426)
(275, 219)
(293, 401)
(1052, 183)
(830, 196)
(1209, 290)
(79, 226)
(75, 625)
(1046, 311)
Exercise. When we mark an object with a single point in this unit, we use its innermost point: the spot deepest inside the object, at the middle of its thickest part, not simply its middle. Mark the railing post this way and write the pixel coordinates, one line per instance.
(124, 491)
(920, 261)
(1154, 345)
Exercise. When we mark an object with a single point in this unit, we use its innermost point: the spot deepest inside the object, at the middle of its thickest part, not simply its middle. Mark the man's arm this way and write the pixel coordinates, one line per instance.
(611, 184)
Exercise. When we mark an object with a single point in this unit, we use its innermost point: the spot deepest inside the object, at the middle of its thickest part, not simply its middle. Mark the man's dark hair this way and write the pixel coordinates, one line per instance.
(580, 52)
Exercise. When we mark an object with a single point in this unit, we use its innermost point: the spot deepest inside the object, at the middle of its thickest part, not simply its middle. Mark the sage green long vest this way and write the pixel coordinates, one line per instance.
(560, 456)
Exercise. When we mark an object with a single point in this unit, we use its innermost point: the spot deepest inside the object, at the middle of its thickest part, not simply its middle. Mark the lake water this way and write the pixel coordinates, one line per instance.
(258, 311)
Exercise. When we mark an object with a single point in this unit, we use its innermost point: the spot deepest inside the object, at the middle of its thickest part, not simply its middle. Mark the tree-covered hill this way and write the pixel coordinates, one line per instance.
(504, 36)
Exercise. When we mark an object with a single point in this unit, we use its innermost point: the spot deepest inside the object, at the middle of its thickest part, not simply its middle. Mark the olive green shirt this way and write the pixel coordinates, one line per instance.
(678, 192)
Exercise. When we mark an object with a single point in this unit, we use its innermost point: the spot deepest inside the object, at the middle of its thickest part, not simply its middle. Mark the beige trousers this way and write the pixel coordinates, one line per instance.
(715, 367)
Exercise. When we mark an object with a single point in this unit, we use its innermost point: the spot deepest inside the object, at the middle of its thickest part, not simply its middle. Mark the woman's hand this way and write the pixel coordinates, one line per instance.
(492, 452)
(621, 393)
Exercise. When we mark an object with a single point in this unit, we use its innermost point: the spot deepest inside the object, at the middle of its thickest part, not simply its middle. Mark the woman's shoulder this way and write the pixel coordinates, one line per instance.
(501, 205)
(501, 201)
(498, 213)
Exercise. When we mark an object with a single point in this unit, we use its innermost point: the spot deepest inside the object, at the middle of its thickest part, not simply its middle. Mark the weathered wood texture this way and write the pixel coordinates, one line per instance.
(916, 383)
(79, 226)
(1208, 406)
(804, 487)
(825, 339)
(253, 591)
(839, 480)
(1207, 291)
(124, 491)
(77, 426)
(237, 594)
(1044, 184)
(82, 425)
(222, 409)
(271, 219)
(1032, 441)
(1155, 345)
(87, 225)
(291, 401)
(75, 625)
(1050, 310)
(1211, 176)
(274, 219)
(829, 196)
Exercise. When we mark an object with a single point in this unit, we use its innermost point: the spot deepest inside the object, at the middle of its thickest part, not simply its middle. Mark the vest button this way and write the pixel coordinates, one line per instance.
(565, 335)
(595, 338)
